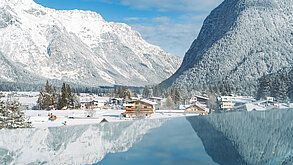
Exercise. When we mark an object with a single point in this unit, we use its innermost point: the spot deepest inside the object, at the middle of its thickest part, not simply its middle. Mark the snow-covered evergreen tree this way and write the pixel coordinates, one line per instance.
(11, 116)
(145, 92)
(177, 95)
(120, 92)
(290, 85)
(69, 96)
(55, 97)
(280, 88)
(264, 89)
(75, 99)
(64, 97)
(2, 112)
(169, 104)
(48, 97)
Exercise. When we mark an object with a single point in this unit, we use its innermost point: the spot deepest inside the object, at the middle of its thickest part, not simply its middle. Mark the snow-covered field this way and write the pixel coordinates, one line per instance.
(40, 118)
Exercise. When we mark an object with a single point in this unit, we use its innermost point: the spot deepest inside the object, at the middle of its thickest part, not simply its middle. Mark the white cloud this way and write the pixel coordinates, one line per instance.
(174, 35)
(169, 5)
(175, 38)
(192, 17)
(135, 18)
(161, 20)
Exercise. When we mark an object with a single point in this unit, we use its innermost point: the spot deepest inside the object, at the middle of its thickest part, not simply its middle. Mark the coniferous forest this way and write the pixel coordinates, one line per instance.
(279, 86)
(50, 98)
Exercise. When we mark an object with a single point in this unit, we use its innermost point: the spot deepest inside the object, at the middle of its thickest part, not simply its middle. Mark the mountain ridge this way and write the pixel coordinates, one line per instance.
(239, 41)
(78, 46)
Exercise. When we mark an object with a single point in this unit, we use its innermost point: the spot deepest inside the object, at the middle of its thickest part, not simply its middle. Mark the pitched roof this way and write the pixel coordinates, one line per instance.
(148, 101)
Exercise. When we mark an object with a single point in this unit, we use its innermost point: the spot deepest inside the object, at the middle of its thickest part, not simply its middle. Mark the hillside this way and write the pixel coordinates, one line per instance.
(239, 41)
(38, 43)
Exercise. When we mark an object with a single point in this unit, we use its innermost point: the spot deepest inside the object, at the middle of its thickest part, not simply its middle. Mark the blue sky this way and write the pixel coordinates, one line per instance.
(170, 24)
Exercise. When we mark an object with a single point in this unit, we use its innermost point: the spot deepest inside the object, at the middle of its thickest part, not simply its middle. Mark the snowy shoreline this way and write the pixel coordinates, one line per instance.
(40, 118)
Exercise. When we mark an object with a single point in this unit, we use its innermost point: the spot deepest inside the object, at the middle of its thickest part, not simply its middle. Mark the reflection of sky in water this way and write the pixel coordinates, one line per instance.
(175, 142)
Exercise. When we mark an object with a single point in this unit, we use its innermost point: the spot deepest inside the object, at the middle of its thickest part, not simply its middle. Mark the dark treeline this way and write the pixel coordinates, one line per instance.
(173, 95)
(101, 90)
(93, 90)
(279, 86)
(123, 92)
(12, 86)
(223, 88)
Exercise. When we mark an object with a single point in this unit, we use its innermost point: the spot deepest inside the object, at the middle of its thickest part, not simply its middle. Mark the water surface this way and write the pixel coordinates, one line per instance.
(263, 138)
(175, 142)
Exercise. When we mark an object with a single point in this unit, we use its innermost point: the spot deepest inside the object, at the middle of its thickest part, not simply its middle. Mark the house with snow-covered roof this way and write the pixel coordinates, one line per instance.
(92, 103)
(143, 107)
(197, 107)
(158, 100)
(234, 102)
(117, 101)
(200, 99)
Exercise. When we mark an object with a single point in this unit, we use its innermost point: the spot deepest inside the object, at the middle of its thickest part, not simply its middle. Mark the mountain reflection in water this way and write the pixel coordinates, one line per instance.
(247, 137)
(262, 138)
(84, 144)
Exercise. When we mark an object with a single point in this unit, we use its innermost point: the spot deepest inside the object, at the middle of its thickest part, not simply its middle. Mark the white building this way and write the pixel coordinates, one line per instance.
(93, 102)
(234, 102)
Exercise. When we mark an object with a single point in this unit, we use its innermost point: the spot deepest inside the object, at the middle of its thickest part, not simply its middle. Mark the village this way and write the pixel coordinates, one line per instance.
(94, 109)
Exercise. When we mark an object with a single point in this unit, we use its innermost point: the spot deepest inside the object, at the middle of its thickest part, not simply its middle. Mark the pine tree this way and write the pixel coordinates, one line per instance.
(69, 96)
(64, 96)
(280, 88)
(212, 103)
(54, 97)
(2, 113)
(169, 103)
(47, 101)
(75, 99)
(114, 93)
(145, 92)
(290, 85)
(11, 116)
(48, 87)
(127, 96)
(164, 93)
(157, 91)
(264, 89)
(176, 95)
(154, 91)
(47, 97)
(41, 99)
(120, 92)
(284, 88)
(125, 92)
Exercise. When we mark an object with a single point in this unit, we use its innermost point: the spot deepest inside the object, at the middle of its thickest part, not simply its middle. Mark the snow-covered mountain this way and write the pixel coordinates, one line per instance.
(38, 43)
(239, 41)
(84, 144)
(247, 138)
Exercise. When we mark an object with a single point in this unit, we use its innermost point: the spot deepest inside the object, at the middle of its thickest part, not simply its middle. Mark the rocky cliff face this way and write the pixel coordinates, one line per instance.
(76, 46)
(239, 41)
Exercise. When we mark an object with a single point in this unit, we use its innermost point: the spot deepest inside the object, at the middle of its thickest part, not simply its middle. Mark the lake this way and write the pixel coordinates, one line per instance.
(227, 138)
